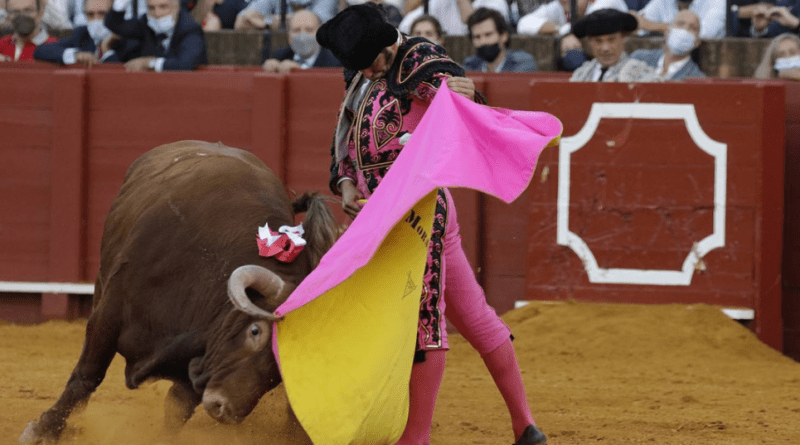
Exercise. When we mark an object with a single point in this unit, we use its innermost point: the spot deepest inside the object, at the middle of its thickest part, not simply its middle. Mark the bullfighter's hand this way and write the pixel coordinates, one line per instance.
(463, 86)
(139, 64)
(85, 58)
(350, 196)
(286, 66)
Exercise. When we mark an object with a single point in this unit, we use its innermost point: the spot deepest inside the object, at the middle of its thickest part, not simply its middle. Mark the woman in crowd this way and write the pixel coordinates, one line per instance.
(781, 59)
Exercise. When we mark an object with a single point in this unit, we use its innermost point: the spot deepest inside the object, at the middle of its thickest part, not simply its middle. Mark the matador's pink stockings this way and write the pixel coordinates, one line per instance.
(424, 388)
(502, 364)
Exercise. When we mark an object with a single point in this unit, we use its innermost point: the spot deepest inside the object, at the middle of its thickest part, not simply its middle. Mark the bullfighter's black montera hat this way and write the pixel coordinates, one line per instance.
(357, 35)
(604, 21)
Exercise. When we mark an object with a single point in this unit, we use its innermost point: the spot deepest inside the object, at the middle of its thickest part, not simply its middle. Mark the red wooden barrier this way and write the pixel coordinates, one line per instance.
(71, 134)
(640, 197)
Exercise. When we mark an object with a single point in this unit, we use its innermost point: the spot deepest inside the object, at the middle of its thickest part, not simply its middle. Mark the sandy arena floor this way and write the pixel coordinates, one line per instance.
(595, 373)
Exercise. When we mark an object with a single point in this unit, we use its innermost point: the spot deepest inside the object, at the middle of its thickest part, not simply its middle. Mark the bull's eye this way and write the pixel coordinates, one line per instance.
(255, 330)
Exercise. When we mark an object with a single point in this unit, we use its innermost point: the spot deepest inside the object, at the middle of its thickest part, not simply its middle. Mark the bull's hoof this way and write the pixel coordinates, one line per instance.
(532, 436)
(31, 436)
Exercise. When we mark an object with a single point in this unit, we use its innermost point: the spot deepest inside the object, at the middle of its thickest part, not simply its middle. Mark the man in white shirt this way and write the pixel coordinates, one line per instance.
(658, 14)
(453, 14)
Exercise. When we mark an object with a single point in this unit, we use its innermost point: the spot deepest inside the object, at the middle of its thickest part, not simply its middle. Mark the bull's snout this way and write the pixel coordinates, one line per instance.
(217, 406)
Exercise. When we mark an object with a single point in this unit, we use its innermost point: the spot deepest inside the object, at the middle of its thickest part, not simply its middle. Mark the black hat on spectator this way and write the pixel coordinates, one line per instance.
(604, 21)
(357, 35)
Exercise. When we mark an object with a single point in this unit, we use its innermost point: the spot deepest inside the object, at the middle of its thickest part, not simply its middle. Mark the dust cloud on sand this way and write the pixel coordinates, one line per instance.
(595, 373)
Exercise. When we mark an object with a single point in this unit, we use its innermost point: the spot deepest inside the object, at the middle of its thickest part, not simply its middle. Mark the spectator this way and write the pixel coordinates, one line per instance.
(88, 44)
(303, 51)
(554, 19)
(658, 14)
(781, 59)
(26, 20)
(452, 14)
(673, 61)
(489, 33)
(63, 14)
(427, 26)
(263, 14)
(393, 15)
(223, 14)
(769, 20)
(607, 30)
(166, 38)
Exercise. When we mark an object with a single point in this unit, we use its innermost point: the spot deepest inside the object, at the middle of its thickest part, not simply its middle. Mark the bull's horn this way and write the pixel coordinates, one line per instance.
(259, 278)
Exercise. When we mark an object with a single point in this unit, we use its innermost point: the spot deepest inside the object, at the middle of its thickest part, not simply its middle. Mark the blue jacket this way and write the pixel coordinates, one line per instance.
(651, 57)
(187, 49)
(517, 61)
(80, 39)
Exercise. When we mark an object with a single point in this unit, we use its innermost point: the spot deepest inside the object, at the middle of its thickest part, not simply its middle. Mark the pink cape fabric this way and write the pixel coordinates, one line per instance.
(458, 143)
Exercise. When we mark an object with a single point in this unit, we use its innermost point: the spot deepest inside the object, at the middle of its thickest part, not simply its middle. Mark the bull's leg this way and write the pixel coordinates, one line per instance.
(99, 348)
(179, 405)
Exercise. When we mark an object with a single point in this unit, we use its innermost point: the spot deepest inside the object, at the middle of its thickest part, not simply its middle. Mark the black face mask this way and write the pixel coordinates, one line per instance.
(23, 25)
(488, 52)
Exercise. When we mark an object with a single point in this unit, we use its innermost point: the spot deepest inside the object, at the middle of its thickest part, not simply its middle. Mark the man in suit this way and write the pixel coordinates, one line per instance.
(672, 62)
(303, 51)
(166, 38)
(488, 31)
(88, 44)
(606, 31)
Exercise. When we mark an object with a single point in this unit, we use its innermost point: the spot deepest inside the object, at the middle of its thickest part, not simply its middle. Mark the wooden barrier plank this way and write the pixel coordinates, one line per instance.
(268, 122)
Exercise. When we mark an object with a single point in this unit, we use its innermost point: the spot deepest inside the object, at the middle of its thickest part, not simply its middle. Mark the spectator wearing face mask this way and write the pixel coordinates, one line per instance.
(26, 21)
(303, 51)
(672, 62)
(428, 27)
(490, 37)
(263, 14)
(781, 59)
(88, 44)
(166, 38)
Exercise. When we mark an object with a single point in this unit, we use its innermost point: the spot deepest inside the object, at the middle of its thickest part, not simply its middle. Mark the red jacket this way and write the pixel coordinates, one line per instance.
(8, 46)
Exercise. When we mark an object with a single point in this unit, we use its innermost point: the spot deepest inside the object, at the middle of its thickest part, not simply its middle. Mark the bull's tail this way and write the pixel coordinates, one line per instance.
(322, 229)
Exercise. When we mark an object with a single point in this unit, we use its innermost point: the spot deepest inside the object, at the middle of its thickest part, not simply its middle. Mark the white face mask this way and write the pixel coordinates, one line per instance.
(680, 41)
(163, 25)
(784, 63)
(304, 44)
(97, 30)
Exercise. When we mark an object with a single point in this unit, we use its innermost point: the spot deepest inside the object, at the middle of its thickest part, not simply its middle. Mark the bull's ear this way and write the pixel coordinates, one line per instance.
(198, 375)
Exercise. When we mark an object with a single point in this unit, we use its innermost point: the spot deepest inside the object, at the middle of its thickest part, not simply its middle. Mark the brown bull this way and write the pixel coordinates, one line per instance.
(174, 243)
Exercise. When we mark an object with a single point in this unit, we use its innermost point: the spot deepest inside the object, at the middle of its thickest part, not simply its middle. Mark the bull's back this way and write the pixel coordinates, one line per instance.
(180, 196)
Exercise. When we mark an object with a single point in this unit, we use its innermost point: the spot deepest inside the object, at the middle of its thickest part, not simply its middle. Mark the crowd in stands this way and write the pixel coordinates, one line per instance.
(156, 35)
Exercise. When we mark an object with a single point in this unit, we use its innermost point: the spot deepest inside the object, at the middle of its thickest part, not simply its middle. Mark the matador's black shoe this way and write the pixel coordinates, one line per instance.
(532, 436)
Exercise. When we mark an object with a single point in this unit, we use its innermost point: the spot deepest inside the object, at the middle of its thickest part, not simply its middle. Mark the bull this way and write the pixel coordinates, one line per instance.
(182, 293)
